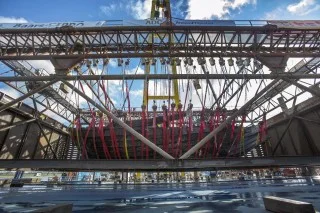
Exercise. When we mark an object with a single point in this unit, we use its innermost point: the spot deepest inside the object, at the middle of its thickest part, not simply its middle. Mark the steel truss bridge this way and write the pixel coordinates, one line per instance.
(175, 41)
(254, 53)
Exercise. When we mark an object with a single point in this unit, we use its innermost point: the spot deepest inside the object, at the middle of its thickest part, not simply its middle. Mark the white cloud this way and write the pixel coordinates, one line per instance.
(42, 64)
(303, 7)
(137, 93)
(107, 10)
(136, 70)
(10, 91)
(12, 19)
(141, 9)
(121, 5)
(113, 62)
(274, 14)
(208, 9)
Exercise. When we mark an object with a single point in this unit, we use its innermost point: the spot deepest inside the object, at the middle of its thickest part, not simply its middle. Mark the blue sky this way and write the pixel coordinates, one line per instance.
(41, 11)
(86, 10)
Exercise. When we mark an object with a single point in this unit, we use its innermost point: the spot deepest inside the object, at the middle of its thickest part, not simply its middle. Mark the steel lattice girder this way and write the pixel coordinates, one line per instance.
(51, 98)
(161, 76)
(163, 165)
(303, 67)
(129, 42)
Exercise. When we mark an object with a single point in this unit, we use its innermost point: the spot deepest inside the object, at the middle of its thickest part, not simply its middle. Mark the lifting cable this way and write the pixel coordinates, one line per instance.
(204, 103)
(74, 122)
(154, 126)
(133, 143)
(216, 119)
(94, 134)
(146, 131)
(173, 147)
(190, 124)
(241, 135)
(102, 137)
(234, 145)
(125, 96)
(91, 125)
(108, 102)
(143, 107)
(170, 142)
(78, 121)
(111, 128)
(101, 128)
(223, 117)
(164, 127)
(200, 133)
(179, 145)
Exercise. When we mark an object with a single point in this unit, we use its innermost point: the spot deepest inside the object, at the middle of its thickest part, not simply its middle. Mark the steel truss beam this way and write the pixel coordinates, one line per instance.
(56, 126)
(17, 124)
(161, 77)
(162, 165)
(47, 104)
(310, 90)
(134, 41)
(302, 67)
(51, 98)
(21, 98)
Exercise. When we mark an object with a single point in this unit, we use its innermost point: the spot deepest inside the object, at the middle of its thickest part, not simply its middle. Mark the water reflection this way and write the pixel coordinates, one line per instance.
(221, 196)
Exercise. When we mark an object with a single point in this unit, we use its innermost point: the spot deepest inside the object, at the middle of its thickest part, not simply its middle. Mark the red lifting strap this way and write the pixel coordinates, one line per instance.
(179, 145)
(233, 124)
(114, 139)
(201, 130)
(154, 125)
(243, 119)
(190, 130)
(211, 128)
(78, 129)
(101, 134)
(84, 150)
(147, 135)
(164, 131)
(172, 131)
(129, 110)
(111, 128)
(94, 135)
(143, 132)
(223, 116)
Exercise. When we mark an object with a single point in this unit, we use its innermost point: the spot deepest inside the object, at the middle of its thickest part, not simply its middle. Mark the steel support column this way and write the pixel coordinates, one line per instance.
(121, 123)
